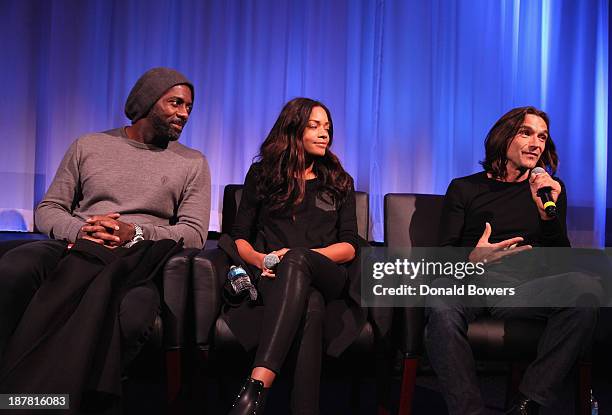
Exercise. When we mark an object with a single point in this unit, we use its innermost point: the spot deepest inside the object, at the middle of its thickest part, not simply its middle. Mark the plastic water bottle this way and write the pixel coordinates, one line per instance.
(240, 281)
(594, 405)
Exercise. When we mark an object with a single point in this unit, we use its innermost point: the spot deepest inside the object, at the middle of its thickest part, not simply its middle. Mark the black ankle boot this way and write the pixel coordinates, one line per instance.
(524, 406)
(251, 399)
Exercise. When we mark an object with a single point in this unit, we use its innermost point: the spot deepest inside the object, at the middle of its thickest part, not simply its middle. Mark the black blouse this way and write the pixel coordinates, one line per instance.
(316, 222)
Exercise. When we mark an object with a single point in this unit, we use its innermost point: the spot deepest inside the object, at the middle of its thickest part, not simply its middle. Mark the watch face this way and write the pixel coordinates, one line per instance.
(138, 234)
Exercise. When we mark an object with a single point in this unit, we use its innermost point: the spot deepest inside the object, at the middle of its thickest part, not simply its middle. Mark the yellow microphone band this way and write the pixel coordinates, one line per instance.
(549, 203)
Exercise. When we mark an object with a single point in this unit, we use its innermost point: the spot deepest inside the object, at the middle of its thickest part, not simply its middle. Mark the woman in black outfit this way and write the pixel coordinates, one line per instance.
(298, 203)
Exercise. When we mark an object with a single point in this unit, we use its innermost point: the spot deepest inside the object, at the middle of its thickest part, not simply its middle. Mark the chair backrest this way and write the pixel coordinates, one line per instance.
(233, 193)
(412, 219)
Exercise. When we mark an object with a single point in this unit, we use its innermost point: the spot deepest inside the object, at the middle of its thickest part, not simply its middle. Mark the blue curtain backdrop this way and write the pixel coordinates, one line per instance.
(413, 86)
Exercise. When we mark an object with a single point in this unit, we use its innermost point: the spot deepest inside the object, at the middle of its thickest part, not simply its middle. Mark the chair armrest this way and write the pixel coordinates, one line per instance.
(210, 269)
(411, 329)
(175, 278)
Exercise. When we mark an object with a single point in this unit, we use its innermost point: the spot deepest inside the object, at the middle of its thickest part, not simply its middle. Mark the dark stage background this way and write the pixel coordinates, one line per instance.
(413, 85)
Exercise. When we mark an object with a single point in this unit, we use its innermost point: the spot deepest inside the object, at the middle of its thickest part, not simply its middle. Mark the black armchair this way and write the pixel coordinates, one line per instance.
(210, 268)
(412, 220)
(170, 324)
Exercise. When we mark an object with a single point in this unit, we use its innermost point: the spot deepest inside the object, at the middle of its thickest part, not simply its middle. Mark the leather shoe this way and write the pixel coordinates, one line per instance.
(524, 406)
(251, 399)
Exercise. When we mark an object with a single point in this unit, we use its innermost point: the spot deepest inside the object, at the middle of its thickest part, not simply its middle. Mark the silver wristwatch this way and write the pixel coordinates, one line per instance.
(138, 236)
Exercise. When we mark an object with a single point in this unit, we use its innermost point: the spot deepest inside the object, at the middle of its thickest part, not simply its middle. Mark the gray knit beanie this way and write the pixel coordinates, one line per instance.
(149, 88)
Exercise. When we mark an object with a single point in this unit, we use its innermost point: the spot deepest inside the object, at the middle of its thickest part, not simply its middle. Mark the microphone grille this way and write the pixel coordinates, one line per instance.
(271, 260)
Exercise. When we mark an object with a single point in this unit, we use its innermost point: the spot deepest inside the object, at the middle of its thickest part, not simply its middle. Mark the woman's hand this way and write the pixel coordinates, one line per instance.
(339, 252)
(266, 272)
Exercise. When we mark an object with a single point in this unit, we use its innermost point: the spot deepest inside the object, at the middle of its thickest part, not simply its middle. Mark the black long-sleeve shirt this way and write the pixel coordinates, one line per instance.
(473, 200)
(316, 222)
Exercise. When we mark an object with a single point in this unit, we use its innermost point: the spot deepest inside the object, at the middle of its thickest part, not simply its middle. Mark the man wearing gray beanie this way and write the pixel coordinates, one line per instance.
(112, 190)
(160, 188)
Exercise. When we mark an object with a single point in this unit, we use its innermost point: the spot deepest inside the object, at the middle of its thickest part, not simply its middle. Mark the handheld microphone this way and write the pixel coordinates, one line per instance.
(271, 261)
(545, 196)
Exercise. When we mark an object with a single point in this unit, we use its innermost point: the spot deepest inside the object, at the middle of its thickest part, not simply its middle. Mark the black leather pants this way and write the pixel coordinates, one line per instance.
(293, 314)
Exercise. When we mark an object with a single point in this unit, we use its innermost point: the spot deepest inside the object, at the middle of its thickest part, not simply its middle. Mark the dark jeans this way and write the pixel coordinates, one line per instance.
(23, 270)
(293, 314)
(567, 334)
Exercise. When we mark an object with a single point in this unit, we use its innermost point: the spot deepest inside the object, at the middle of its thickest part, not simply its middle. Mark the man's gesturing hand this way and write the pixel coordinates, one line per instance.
(107, 230)
(490, 253)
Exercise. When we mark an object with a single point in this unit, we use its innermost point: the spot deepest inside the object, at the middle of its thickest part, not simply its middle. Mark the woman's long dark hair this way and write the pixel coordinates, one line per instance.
(283, 161)
(501, 135)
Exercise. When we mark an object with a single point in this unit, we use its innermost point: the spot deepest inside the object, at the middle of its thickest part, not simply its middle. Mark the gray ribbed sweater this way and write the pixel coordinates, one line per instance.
(166, 191)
